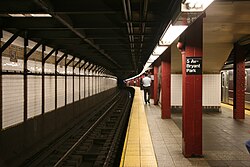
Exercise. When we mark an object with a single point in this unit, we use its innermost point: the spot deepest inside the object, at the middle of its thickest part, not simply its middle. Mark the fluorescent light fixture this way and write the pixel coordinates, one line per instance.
(152, 58)
(171, 33)
(159, 50)
(195, 5)
(147, 65)
(30, 15)
(16, 15)
(40, 15)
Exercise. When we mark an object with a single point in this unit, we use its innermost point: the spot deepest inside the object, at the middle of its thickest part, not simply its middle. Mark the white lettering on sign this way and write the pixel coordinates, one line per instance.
(193, 65)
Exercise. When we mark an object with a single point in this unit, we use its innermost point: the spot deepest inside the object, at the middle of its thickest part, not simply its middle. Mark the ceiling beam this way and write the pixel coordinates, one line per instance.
(36, 23)
(44, 6)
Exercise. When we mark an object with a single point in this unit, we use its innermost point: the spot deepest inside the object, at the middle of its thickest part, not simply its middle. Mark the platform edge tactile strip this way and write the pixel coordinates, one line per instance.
(138, 149)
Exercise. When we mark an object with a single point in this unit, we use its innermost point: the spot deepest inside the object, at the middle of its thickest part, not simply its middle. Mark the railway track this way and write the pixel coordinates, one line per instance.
(95, 142)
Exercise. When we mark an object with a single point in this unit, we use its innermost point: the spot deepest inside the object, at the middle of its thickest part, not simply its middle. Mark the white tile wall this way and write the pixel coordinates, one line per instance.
(34, 96)
(76, 88)
(69, 89)
(34, 66)
(90, 78)
(70, 70)
(176, 90)
(98, 84)
(82, 72)
(76, 71)
(86, 86)
(94, 84)
(12, 100)
(13, 66)
(103, 83)
(13, 89)
(82, 87)
(60, 91)
(61, 69)
(49, 68)
(49, 93)
(210, 90)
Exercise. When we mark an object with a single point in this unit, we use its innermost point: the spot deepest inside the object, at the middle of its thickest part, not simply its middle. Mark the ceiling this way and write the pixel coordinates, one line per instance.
(121, 34)
(225, 22)
(116, 34)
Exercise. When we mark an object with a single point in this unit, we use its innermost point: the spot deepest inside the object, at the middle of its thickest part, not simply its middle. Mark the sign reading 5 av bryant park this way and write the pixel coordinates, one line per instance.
(193, 65)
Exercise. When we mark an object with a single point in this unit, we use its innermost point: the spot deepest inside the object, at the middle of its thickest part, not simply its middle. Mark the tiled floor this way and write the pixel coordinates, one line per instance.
(223, 139)
(138, 149)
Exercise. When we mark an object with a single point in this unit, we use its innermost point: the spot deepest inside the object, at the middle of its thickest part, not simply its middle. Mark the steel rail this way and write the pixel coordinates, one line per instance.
(83, 136)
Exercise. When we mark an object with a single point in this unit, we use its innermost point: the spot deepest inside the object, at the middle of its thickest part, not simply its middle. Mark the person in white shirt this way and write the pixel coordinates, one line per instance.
(146, 86)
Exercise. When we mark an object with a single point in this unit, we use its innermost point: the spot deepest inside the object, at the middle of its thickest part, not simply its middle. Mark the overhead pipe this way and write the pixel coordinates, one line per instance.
(143, 17)
(128, 17)
(43, 5)
(132, 45)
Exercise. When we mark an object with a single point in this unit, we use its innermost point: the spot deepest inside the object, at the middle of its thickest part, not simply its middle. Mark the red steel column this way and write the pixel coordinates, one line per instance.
(192, 92)
(155, 85)
(138, 82)
(239, 83)
(166, 85)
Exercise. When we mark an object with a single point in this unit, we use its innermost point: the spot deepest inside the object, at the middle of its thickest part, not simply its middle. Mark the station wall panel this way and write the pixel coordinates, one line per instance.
(211, 92)
(13, 85)
(34, 96)
(94, 84)
(90, 86)
(82, 86)
(49, 93)
(76, 88)
(13, 101)
(49, 68)
(69, 89)
(176, 90)
(34, 66)
(12, 66)
(61, 69)
(98, 84)
(86, 86)
(60, 91)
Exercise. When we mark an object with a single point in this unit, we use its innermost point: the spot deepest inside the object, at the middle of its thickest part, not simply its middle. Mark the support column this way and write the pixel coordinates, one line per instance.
(155, 94)
(84, 80)
(65, 80)
(73, 83)
(192, 90)
(56, 81)
(43, 80)
(166, 85)
(79, 76)
(239, 83)
(25, 79)
(1, 86)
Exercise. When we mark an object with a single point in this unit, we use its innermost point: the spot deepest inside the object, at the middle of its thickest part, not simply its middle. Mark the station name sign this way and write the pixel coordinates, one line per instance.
(193, 65)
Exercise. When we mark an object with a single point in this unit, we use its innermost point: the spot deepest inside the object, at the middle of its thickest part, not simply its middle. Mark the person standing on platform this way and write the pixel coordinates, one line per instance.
(141, 84)
(146, 86)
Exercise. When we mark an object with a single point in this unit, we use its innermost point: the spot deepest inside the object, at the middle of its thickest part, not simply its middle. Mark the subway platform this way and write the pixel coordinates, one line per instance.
(223, 139)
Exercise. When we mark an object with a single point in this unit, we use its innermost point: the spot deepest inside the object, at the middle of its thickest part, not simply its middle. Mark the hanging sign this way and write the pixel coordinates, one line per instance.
(193, 65)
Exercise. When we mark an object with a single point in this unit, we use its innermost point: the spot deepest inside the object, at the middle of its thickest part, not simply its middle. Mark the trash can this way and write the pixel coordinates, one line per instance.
(248, 146)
